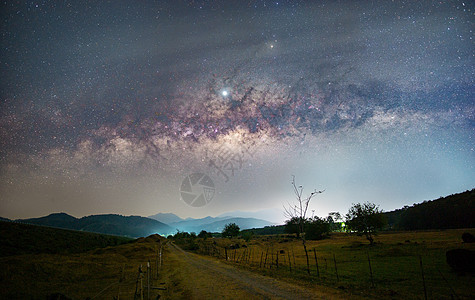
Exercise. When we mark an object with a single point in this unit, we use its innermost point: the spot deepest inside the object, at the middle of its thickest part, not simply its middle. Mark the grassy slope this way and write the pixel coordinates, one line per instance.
(25, 239)
(50, 260)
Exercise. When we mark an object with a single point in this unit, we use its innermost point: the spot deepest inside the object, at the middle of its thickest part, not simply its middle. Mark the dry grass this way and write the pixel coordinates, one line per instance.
(78, 276)
(109, 272)
(394, 261)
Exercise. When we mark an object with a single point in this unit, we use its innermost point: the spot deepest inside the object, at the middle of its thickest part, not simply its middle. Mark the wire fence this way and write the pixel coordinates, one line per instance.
(146, 281)
(364, 269)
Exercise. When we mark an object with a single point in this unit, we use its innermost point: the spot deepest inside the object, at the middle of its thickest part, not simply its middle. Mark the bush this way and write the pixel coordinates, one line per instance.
(230, 230)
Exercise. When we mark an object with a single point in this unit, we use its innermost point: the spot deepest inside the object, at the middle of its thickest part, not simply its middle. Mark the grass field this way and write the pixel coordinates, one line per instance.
(395, 263)
(48, 266)
(38, 261)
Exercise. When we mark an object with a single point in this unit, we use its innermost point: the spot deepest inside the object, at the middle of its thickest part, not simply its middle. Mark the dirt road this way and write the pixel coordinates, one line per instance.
(191, 276)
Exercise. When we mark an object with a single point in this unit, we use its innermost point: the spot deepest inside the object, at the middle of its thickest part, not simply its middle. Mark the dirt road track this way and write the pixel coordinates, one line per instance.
(192, 276)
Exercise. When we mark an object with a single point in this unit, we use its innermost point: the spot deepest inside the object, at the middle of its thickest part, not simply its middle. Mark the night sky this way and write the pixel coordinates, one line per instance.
(108, 106)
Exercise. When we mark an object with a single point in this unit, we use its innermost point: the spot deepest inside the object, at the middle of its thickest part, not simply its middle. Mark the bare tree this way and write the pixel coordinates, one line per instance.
(298, 211)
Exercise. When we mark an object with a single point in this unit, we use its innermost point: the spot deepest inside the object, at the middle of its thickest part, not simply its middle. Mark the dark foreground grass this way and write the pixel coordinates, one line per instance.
(103, 273)
(17, 238)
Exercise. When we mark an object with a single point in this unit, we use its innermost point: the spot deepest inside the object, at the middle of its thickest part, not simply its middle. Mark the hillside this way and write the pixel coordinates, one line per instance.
(454, 211)
(131, 226)
(20, 239)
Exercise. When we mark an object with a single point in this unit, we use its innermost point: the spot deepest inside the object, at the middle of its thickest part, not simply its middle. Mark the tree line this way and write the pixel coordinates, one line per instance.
(454, 211)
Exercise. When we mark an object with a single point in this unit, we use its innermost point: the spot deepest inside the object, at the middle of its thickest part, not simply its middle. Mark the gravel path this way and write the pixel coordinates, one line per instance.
(196, 277)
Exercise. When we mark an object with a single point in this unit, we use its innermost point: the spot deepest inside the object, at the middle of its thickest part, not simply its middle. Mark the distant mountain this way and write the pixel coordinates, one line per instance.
(273, 215)
(190, 222)
(131, 226)
(166, 218)
(243, 223)
(211, 224)
(4, 219)
(59, 220)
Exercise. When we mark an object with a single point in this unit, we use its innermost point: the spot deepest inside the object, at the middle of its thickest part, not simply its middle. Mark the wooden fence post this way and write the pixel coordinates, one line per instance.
(156, 264)
(148, 279)
(423, 279)
(290, 263)
(370, 270)
(293, 255)
(265, 260)
(316, 262)
(336, 269)
(141, 283)
(272, 257)
(160, 255)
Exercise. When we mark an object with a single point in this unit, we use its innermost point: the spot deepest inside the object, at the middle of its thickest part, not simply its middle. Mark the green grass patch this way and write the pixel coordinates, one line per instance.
(395, 262)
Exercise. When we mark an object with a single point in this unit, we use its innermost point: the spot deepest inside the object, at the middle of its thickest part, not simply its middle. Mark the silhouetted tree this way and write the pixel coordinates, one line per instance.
(317, 228)
(204, 234)
(298, 211)
(292, 226)
(230, 230)
(365, 219)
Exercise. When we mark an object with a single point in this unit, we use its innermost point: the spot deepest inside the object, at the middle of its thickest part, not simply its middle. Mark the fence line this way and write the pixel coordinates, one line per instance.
(279, 261)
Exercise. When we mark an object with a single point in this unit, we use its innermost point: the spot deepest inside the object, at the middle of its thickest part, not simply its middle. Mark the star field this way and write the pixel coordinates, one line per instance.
(107, 107)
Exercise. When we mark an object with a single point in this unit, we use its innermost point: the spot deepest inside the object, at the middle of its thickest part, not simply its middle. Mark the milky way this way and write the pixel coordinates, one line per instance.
(106, 107)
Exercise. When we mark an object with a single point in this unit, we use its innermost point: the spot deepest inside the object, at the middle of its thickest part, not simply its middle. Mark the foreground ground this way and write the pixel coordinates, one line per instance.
(114, 272)
(191, 276)
(402, 265)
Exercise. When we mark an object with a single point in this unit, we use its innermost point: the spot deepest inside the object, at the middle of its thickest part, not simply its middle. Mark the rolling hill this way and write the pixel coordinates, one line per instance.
(454, 211)
(19, 239)
(131, 226)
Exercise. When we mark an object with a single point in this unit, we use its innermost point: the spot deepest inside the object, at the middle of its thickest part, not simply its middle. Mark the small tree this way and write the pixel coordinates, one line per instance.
(247, 235)
(298, 211)
(365, 219)
(230, 230)
(204, 234)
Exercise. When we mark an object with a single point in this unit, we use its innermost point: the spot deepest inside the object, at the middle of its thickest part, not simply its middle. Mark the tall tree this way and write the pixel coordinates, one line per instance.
(298, 211)
(365, 219)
